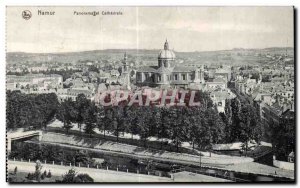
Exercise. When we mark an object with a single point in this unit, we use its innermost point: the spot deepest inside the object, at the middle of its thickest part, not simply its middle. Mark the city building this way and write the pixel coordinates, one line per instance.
(168, 73)
(34, 81)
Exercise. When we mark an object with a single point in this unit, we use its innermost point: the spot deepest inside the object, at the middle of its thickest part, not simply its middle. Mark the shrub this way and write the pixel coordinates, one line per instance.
(49, 175)
(42, 176)
(45, 173)
(83, 178)
(30, 176)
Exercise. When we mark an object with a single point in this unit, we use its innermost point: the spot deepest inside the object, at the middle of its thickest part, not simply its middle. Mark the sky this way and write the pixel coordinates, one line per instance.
(186, 28)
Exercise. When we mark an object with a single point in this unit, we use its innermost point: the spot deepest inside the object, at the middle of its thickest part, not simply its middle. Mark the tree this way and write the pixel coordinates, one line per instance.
(73, 177)
(15, 170)
(66, 114)
(70, 176)
(107, 120)
(249, 123)
(283, 135)
(143, 122)
(100, 114)
(130, 124)
(227, 119)
(117, 120)
(193, 125)
(38, 170)
(81, 104)
(208, 127)
(89, 119)
(235, 131)
(84, 178)
(81, 156)
(30, 110)
(159, 128)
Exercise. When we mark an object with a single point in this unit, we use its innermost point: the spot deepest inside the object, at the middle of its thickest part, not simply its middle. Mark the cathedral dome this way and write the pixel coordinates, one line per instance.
(166, 53)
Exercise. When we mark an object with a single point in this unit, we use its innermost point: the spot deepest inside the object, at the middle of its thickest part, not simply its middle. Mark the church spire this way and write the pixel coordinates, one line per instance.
(166, 46)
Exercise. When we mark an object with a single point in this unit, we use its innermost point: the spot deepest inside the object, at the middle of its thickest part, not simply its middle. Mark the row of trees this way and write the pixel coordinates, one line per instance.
(50, 153)
(29, 111)
(283, 135)
(198, 125)
(242, 122)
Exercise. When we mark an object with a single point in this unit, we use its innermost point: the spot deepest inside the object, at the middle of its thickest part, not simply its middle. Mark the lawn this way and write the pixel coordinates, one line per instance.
(22, 177)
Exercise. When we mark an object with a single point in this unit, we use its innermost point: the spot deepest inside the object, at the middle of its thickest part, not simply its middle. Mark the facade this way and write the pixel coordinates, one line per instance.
(168, 73)
(38, 81)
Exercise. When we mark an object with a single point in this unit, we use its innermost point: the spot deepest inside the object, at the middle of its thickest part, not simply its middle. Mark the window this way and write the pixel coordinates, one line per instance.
(183, 77)
(175, 77)
(139, 76)
(166, 64)
(158, 78)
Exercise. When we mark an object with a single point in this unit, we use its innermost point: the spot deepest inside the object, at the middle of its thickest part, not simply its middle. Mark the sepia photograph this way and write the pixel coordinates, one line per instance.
(136, 94)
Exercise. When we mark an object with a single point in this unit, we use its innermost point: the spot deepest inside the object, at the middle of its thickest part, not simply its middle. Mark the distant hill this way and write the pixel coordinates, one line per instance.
(117, 54)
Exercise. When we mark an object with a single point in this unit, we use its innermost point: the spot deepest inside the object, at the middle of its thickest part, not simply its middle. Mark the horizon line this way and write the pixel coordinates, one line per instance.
(135, 49)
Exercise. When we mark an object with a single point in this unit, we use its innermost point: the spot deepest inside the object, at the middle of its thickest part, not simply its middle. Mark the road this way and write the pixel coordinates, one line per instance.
(246, 167)
(260, 169)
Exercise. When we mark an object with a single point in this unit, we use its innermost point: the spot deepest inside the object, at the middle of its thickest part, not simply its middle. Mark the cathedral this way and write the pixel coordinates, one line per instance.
(167, 74)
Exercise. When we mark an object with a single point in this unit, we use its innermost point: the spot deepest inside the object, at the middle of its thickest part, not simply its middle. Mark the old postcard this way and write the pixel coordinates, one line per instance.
(150, 94)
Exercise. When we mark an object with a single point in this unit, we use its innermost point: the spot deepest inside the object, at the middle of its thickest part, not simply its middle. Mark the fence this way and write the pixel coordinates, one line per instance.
(102, 167)
(216, 173)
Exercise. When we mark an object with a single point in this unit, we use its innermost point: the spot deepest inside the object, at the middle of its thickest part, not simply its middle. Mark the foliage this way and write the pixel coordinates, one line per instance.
(30, 111)
(50, 153)
(242, 122)
(49, 175)
(72, 177)
(283, 137)
(201, 125)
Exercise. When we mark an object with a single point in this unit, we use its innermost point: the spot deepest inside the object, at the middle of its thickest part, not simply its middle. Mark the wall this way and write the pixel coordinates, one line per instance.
(284, 165)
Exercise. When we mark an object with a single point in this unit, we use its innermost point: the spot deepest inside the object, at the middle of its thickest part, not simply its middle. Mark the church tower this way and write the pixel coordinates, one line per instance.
(202, 74)
(125, 63)
(126, 72)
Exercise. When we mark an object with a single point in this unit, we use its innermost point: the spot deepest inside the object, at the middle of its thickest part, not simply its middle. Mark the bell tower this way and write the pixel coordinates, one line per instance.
(126, 72)
(125, 63)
